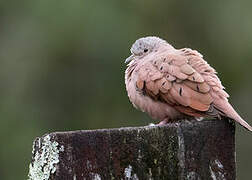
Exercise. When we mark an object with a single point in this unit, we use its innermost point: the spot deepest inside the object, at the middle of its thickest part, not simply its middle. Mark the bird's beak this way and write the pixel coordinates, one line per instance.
(128, 59)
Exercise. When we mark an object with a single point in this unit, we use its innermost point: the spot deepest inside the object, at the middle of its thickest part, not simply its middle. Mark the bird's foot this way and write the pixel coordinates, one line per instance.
(152, 124)
(165, 121)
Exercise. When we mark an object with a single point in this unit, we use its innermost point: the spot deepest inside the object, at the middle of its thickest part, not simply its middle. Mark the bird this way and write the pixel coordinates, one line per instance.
(172, 84)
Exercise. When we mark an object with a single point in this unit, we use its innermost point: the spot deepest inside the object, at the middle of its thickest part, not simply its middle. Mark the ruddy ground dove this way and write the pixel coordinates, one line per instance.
(171, 84)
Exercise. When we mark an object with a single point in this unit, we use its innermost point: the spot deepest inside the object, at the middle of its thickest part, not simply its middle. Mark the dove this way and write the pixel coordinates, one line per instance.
(172, 84)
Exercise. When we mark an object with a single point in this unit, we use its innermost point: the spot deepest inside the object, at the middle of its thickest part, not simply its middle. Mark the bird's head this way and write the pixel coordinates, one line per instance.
(145, 46)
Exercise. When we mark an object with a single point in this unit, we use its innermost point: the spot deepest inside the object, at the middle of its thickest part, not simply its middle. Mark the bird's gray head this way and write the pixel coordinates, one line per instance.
(144, 46)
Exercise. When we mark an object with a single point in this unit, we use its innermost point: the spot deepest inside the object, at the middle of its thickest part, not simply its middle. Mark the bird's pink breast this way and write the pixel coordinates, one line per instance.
(157, 110)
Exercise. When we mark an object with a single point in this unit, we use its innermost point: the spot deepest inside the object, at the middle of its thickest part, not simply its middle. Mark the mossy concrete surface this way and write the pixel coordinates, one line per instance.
(190, 150)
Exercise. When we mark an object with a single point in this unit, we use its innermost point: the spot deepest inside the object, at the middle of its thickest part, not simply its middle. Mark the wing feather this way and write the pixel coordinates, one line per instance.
(183, 79)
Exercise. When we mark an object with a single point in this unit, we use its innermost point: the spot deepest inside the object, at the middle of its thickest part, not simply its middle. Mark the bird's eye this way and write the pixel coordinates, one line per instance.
(145, 50)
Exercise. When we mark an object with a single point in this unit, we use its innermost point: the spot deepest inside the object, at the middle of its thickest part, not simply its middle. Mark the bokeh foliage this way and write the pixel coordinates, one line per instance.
(61, 65)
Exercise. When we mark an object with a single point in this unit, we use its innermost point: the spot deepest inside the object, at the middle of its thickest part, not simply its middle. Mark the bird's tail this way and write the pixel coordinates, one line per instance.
(231, 113)
(242, 122)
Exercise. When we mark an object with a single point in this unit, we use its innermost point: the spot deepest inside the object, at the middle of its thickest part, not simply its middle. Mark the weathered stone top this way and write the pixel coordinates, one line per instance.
(183, 150)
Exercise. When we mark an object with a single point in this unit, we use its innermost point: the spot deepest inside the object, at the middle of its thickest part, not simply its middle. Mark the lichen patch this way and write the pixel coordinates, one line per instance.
(45, 159)
(217, 170)
(218, 163)
(95, 176)
(128, 173)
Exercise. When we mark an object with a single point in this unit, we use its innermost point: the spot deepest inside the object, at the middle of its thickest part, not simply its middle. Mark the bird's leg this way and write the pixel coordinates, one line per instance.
(151, 124)
(163, 122)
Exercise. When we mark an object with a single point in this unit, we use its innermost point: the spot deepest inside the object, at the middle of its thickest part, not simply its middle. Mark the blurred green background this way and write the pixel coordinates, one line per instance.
(62, 65)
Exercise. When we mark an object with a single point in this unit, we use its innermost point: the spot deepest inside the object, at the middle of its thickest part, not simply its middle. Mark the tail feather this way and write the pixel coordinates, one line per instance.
(244, 124)
(238, 119)
(229, 111)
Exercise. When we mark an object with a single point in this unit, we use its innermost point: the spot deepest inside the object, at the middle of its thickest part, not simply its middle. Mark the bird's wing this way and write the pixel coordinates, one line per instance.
(182, 79)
